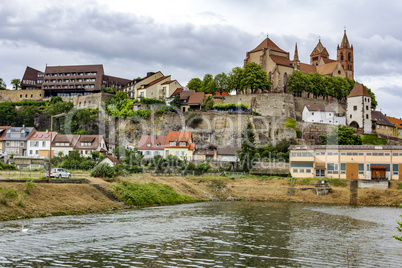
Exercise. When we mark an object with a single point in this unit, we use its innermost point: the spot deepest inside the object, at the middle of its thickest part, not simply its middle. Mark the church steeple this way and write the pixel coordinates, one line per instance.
(296, 61)
(345, 56)
(319, 53)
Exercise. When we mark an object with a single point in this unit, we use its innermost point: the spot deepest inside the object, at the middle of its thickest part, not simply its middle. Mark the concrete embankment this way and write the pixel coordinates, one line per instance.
(43, 199)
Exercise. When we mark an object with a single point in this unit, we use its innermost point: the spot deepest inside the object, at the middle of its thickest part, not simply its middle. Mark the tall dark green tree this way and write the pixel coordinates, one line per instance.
(248, 148)
(221, 83)
(235, 80)
(195, 84)
(255, 78)
(16, 83)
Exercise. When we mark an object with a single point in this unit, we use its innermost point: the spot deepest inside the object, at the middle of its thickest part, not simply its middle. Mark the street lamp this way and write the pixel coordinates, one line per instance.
(51, 139)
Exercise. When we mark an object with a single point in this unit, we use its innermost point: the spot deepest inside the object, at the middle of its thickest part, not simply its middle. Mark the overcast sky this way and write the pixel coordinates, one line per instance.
(187, 39)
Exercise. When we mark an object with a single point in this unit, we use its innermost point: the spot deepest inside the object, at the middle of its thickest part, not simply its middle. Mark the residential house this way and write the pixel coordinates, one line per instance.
(168, 88)
(15, 140)
(208, 153)
(179, 143)
(110, 160)
(152, 145)
(345, 161)
(227, 153)
(39, 143)
(196, 101)
(321, 114)
(64, 143)
(398, 126)
(86, 144)
(184, 98)
(382, 124)
(3, 131)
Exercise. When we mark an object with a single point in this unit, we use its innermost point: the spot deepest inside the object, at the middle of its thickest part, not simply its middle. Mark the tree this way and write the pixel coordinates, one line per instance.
(16, 83)
(208, 84)
(341, 135)
(3, 85)
(373, 100)
(255, 78)
(176, 102)
(248, 149)
(195, 84)
(119, 151)
(95, 155)
(133, 160)
(399, 227)
(221, 82)
(235, 80)
(208, 104)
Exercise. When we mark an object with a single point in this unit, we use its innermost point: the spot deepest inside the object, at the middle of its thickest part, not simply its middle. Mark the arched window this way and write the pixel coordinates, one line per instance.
(285, 81)
(349, 56)
(341, 56)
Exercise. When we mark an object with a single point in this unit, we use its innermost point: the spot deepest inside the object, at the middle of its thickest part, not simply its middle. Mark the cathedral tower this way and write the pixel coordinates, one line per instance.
(345, 56)
(319, 55)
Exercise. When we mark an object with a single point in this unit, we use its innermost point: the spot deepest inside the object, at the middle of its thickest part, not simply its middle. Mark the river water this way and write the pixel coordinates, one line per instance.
(212, 234)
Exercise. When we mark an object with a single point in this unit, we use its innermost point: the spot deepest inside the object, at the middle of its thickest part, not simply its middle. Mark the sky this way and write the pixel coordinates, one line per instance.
(187, 39)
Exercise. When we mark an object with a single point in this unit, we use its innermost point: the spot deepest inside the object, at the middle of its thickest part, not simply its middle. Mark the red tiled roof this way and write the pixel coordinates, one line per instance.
(196, 98)
(217, 93)
(42, 135)
(307, 68)
(359, 90)
(281, 60)
(176, 92)
(397, 122)
(267, 43)
(113, 159)
(168, 82)
(179, 136)
(156, 81)
(152, 141)
(3, 131)
(185, 94)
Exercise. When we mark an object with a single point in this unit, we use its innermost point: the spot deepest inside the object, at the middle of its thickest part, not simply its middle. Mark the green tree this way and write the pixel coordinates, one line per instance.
(208, 84)
(176, 102)
(341, 135)
(374, 102)
(399, 227)
(16, 83)
(235, 80)
(119, 151)
(3, 85)
(221, 82)
(208, 104)
(195, 84)
(248, 148)
(133, 160)
(95, 155)
(255, 78)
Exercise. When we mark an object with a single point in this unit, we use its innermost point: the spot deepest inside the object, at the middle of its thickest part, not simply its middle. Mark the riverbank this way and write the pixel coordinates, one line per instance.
(42, 199)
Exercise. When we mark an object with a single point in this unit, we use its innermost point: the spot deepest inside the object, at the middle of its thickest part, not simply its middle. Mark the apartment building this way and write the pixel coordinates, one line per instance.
(39, 143)
(332, 161)
(382, 124)
(15, 140)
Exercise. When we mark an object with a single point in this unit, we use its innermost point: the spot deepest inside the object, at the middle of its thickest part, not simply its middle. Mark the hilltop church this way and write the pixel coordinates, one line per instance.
(278, 65)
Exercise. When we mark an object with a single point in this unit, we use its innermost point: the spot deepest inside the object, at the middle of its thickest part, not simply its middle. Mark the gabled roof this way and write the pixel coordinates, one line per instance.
(307, 68)
(156, 81)
(111, 158)
(42, 136)
(268, 44)
(179, 136)
(3, 131)
(380, 119)
(176, 92)
(150, 142)
(169, 82)
(326, 69)
(319, 49)
(396, 121)
(228, 150)
(359, 90)
(319, 108)
(65, 138)
(18, 133)
(185, 94)
(93, 139)
(196, 98)
(281, 60)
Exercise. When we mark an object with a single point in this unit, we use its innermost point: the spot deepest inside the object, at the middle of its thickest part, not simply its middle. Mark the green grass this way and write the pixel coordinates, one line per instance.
(135, 194)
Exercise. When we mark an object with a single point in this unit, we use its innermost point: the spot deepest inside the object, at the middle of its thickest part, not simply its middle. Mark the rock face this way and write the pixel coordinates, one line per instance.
(211, 128)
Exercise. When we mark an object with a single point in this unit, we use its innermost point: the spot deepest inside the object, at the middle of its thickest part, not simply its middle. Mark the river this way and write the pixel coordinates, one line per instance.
(211, 234)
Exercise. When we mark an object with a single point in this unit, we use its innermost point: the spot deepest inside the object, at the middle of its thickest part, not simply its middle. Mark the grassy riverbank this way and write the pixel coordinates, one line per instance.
(26, 200)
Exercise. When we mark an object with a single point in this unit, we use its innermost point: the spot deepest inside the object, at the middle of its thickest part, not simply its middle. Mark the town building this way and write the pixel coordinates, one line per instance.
(227, 153)
(15, 140)
(206, 153)
(39, 144)
(3, 131)
(70, 81)
(322, 114)
(154, 85)
(184, 99)
(382, 124)
(63, 144)
(398, 126)
(152, 145)
(358, 111)
(332, 161)
(179, 143)
(277, 64)
(196, 101)
(86, 144)
(111, 161)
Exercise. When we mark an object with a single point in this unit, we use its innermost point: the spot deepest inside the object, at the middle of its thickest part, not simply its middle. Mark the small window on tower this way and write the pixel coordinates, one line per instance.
(355, 108)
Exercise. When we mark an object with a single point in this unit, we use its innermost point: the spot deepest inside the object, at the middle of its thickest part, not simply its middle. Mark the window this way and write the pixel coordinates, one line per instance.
(295, 170)
(147, 152)
(395, 169)
(301, 170)
(361, 168)
(367, 116)
(172, 143)
(21, 144)
(332, 168)
(182, 143)
(308, 170)
(182, 153)
(43, 143)
(177, 153)
(320, 172)
(355, 108)
(30, 152)
(367, 107)
(86, 143)
(343, 168)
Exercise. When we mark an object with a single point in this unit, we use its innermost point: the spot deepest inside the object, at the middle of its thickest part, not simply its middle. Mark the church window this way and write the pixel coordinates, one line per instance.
(315, 58)
(366, 107)
(349, 57)
(355, 108)
(341, 56)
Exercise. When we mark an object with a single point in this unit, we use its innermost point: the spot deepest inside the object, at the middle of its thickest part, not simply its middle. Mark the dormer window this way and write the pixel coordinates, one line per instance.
(86, 144)
(149, 144)
(182, 143)
(172, 143)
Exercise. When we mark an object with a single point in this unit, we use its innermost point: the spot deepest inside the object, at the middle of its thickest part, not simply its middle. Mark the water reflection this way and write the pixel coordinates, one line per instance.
(232, 234)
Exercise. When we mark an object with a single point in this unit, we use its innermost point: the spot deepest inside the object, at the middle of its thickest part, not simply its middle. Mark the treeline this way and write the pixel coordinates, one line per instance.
(323, 86)
(251, 77)
(37, 114)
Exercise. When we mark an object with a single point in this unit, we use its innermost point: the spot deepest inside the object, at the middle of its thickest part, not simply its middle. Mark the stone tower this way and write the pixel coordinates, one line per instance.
(358, 110)
(345, 56)
(319, 55)
(296, 61)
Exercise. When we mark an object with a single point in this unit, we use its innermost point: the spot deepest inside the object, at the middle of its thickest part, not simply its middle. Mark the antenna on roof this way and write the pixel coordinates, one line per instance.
(267, 35)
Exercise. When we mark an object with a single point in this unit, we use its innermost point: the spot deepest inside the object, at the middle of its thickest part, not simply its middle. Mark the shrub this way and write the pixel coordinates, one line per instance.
(103, 171)
(29, 186)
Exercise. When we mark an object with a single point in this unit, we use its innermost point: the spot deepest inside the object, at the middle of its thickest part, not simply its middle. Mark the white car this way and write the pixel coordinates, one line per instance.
(59, 173)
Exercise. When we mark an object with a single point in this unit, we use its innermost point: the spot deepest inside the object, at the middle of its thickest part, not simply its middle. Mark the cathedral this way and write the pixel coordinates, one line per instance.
(278, 65)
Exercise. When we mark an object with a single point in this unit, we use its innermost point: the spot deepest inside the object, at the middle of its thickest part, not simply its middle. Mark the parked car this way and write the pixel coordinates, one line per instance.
(59, 173)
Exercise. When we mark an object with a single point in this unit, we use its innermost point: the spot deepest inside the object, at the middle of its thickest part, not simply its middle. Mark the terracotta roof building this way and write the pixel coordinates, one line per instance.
(152, 145)
(88, 143)
(179, 143)
(39, 143)
(398, 126)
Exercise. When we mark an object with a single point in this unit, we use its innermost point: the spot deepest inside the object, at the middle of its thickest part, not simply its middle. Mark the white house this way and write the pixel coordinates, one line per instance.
(321, 114)
(110, 160)
(64, 143)
(152, 145)
(358, 112)
(39, 144)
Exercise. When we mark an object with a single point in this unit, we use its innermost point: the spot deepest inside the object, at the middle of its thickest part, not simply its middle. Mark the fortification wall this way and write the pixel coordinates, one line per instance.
(300, 102)
(89, 101)
(267, 104)
(21, 95)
